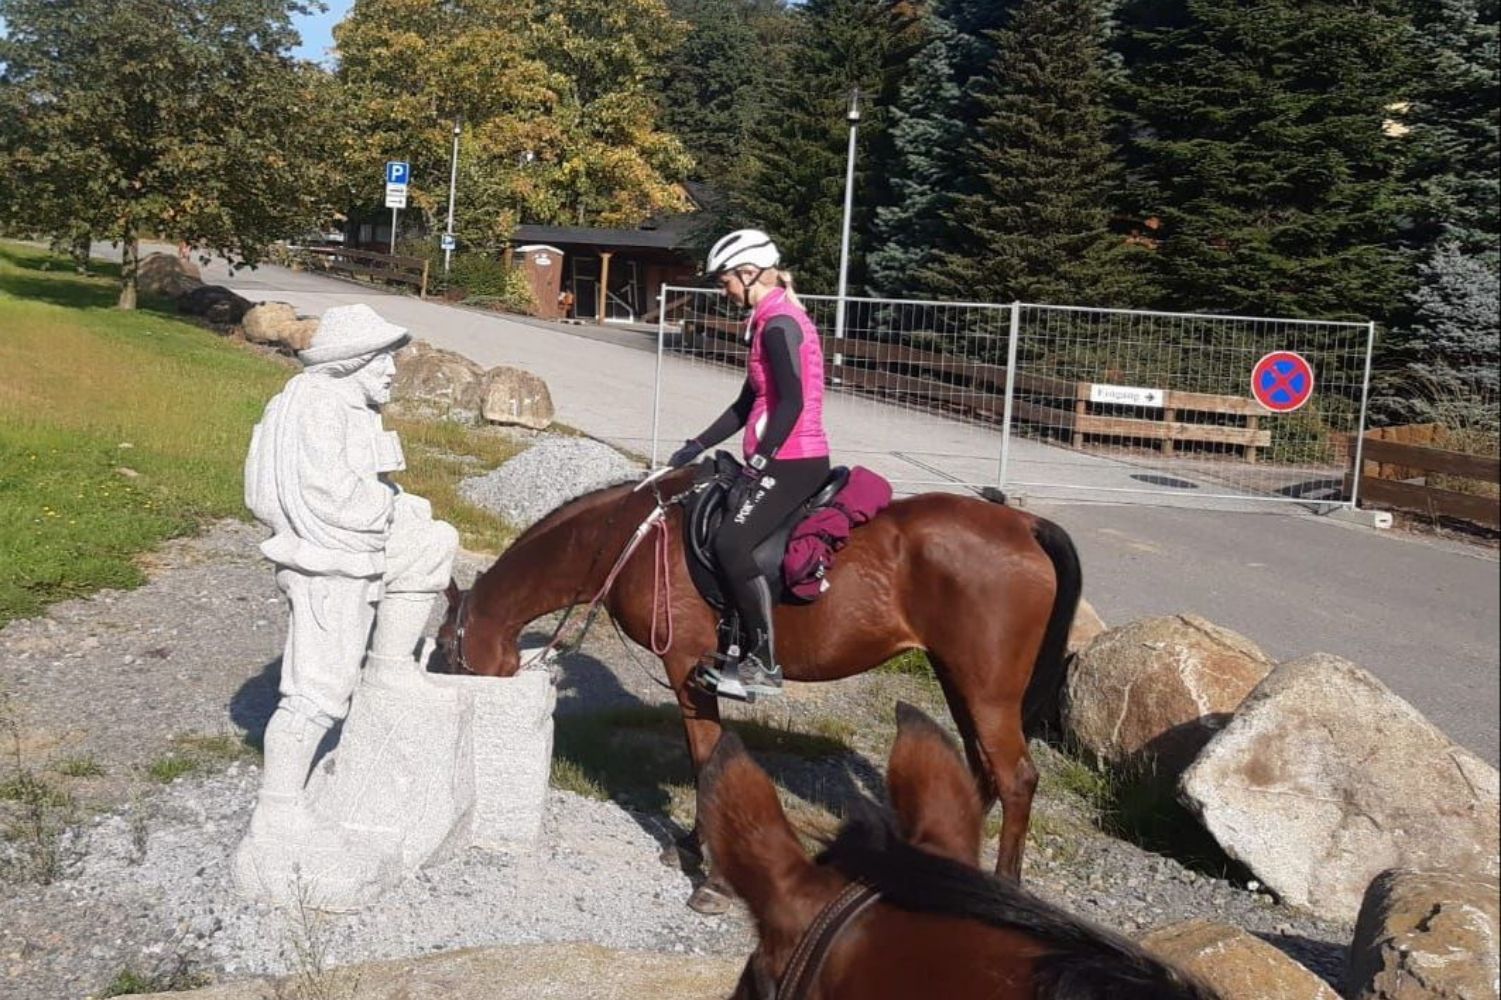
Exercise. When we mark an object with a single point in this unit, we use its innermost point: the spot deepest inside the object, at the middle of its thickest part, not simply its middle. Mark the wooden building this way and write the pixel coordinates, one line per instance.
(615, 275)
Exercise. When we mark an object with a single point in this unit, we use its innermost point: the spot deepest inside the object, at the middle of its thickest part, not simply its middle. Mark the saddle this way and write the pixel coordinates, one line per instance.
(706, 510)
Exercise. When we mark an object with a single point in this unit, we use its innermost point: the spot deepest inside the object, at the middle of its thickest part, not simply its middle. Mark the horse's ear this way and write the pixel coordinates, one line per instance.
(932, 790)
(453, 593)
(750, 841)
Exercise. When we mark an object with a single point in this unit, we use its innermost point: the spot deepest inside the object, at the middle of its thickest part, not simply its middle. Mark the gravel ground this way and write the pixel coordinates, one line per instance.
(121, 678)
(546, 474)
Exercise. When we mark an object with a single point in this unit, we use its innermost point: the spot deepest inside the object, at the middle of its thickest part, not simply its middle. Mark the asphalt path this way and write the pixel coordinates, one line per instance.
(1420, 613)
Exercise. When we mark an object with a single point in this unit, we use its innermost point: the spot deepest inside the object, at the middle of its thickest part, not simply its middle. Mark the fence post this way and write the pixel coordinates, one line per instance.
(656, 395)
(1365, 394)
(422, 293)
(1007, 403)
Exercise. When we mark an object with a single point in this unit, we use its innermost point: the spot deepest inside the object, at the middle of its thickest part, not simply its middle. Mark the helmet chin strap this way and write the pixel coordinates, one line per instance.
(746, 302)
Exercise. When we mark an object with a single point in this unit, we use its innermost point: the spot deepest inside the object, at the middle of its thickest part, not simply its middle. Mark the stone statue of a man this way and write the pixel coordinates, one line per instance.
(351, 549)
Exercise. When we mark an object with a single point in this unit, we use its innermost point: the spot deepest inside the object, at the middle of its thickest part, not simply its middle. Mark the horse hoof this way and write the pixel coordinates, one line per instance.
(709, 901)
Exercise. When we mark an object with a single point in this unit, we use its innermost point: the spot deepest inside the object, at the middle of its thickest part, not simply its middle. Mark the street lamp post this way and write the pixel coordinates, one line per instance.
(453, 183)
(853, 117)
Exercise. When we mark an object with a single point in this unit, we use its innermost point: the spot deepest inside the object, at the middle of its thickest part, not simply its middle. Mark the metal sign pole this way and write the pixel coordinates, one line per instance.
(1008, 406)
(1365, 395)
(393, 230)
(656, 396)
(853, 117)
(453, 183)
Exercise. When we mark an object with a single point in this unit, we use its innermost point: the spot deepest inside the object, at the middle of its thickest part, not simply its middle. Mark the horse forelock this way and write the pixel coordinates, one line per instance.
(1079, 960)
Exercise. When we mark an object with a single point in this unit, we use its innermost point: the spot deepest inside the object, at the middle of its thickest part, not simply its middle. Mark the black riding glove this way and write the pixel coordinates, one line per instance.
(684, 455)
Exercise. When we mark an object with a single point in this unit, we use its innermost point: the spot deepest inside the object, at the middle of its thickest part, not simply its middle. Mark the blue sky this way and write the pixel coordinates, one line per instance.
(317, 30)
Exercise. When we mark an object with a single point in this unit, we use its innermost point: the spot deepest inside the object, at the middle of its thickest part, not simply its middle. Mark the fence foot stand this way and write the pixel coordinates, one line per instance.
(1380, 520)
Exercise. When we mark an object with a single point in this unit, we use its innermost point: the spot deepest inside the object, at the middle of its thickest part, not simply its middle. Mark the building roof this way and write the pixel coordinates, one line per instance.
(668, 236)
(672, 232)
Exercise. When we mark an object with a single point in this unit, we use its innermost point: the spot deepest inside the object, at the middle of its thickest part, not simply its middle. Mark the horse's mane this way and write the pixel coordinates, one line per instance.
(1081, 961)
(565, 509)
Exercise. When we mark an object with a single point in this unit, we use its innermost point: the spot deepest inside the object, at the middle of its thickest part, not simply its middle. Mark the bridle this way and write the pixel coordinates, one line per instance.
(817, 941)
(654, 520)
(460, 624)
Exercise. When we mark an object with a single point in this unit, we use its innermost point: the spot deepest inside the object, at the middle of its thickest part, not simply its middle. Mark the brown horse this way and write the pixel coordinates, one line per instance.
(897, 907)
(987, 591)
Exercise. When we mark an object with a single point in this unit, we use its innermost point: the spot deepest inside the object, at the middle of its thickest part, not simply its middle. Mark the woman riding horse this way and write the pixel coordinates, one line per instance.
(988, 592)
(786, 450)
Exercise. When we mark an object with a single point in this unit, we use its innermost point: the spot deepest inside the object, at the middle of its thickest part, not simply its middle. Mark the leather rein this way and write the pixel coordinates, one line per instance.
(655, 519)
(818, 940)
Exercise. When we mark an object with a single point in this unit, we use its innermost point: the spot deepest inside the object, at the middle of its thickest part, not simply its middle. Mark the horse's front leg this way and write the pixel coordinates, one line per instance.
(702, 727)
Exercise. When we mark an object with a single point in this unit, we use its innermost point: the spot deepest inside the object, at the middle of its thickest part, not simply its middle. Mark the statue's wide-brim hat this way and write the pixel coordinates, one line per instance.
(348, 332)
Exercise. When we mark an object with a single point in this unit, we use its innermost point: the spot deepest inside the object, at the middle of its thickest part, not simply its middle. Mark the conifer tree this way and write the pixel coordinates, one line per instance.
(1037, 228)
(1258, 133)
(714, 83)
(794, 187)
(939, 106)
(1454, 114)
(1439, 361)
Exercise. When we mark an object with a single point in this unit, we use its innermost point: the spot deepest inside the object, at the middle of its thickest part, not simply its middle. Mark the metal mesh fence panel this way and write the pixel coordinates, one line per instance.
(1240, 410)
(1112, 405)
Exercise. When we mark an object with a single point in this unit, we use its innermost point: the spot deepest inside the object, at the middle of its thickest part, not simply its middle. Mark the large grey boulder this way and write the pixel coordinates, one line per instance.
(512, 396)
(167, 275)
(1426, 935)
(1087, 625)
(1156, 690)
(277, 324)
(432, 382)
(1325, 778)
(1235, 963)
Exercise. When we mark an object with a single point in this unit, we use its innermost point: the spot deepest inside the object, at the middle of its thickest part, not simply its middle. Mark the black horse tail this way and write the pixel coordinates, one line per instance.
(1040, 705)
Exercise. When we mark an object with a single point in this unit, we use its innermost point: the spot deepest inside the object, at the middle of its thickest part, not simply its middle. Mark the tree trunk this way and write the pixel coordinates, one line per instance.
(130, 266)
(82, 245)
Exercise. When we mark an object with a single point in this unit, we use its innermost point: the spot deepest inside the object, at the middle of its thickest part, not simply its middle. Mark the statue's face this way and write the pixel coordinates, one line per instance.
(374, 379)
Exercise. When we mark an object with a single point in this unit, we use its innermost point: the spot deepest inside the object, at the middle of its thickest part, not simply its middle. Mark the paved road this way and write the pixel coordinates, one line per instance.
(1422, 615)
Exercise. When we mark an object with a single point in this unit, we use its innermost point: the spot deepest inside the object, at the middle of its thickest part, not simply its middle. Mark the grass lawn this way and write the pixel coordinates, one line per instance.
(119, 430)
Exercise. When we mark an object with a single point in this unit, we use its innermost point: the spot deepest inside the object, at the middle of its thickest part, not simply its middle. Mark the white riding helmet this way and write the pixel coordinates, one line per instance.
(743, 247)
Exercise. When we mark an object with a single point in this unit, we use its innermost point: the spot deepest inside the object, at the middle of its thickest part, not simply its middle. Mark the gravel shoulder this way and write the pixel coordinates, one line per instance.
(184, 668)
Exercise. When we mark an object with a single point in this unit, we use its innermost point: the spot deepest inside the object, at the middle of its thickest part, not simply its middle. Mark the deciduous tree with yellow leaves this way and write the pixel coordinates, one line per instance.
(555, 96)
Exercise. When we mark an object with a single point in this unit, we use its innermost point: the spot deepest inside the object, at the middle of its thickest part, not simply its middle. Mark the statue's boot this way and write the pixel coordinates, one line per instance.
(399, 623)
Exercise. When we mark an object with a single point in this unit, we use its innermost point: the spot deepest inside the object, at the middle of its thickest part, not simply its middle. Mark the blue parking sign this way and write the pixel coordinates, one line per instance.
(449, 242)
(398, 172)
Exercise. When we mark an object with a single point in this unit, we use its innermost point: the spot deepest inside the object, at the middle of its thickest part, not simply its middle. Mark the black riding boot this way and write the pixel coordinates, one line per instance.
(759, 673)
(753, 673)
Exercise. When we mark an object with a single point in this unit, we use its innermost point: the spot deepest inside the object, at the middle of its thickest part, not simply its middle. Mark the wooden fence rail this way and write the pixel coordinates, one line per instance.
(366, 264)
(1419, 497)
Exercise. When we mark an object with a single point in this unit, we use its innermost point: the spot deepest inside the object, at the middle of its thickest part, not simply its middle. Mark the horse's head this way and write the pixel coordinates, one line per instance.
(897, 906)
(471, 644)
(753, 845)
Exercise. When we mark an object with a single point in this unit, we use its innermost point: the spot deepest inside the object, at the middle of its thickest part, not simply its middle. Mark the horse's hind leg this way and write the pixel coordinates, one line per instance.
(990, 721)
(1005, 748)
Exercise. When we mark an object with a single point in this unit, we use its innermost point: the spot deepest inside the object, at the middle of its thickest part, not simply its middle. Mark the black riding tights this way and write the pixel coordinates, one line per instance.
(784, 485)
